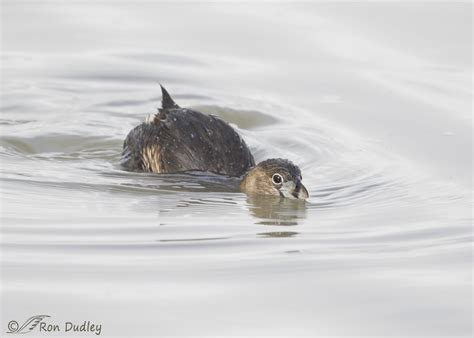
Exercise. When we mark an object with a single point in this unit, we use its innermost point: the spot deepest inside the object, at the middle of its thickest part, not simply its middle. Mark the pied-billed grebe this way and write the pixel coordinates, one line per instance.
(179, 139)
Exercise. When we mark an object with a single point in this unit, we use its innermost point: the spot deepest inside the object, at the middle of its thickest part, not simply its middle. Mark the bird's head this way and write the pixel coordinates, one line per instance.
(277, 177)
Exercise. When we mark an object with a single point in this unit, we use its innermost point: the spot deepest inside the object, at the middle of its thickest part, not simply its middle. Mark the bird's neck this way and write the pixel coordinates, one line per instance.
(255, 182)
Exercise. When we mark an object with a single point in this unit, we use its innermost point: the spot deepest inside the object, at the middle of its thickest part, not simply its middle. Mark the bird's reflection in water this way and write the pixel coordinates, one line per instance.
(277, 211)
(278, 234)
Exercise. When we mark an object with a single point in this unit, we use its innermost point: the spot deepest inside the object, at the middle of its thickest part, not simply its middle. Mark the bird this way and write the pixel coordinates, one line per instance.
(176, 140)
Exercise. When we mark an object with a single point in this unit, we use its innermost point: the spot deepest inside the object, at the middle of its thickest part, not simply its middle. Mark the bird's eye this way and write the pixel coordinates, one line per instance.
(277, 179)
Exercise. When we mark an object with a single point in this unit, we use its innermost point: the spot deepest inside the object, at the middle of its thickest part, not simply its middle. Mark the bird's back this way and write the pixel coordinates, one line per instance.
(179, 139)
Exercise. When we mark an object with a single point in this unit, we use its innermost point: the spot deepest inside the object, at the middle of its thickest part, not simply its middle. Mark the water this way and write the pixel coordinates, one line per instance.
(361, 96)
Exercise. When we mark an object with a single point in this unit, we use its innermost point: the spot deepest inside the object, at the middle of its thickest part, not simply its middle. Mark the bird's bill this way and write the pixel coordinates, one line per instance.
(294, 191)
(302, 193)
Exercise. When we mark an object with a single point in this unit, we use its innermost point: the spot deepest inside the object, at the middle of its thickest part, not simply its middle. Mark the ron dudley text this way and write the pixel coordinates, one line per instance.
(70, 327)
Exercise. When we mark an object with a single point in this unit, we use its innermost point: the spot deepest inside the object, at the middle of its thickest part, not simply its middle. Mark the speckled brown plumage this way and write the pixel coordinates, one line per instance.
(179, 139)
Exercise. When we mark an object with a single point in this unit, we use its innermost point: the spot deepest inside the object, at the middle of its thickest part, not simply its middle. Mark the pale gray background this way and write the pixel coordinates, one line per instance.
(372, 100)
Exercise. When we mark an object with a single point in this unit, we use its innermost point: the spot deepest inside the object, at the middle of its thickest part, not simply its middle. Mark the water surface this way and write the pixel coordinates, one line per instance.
(360, 96)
